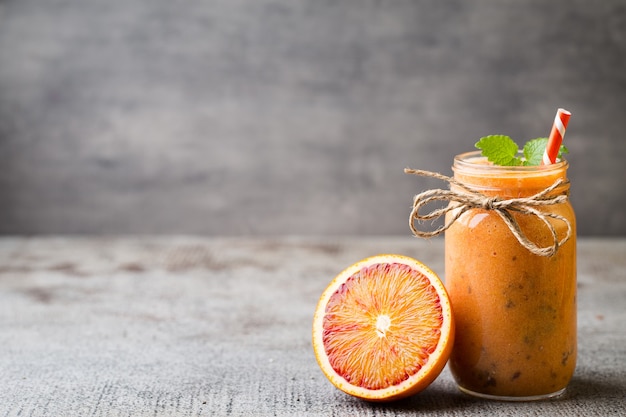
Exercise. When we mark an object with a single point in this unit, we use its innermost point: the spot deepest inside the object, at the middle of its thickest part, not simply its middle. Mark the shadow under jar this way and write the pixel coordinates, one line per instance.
(515, 311)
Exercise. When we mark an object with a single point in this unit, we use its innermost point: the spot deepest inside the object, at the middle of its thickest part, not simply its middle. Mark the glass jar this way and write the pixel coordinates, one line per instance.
(515, 311)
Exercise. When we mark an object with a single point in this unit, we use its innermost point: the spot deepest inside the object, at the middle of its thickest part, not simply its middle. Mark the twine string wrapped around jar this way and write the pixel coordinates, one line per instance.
(468, 198)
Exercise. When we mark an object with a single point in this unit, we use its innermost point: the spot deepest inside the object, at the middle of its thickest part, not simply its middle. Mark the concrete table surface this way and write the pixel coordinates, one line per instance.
(186, 326)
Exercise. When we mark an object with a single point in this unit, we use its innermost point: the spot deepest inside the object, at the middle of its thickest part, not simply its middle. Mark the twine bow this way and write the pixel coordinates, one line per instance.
(462, 201)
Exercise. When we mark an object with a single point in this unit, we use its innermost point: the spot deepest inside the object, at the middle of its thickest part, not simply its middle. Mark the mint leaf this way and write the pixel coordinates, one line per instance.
(502, 150)
(499, 149)
(533, 151)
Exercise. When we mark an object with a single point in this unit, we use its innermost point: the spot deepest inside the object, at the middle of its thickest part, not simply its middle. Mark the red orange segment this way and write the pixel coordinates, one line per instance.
(383, 328)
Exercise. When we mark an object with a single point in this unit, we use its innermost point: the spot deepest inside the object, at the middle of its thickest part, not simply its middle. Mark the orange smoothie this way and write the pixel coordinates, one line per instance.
(515, 311)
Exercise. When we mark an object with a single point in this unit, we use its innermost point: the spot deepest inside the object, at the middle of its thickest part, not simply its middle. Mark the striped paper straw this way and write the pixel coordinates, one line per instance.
(556, 136)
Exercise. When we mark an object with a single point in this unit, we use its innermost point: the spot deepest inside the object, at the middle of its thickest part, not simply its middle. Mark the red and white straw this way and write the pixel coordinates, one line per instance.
(556, 136)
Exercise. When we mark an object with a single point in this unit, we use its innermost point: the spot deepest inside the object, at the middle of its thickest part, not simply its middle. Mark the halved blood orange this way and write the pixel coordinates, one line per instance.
(383, 329)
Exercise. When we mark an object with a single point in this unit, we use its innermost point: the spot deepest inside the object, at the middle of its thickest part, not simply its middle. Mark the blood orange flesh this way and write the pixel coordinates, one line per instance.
(383, 328)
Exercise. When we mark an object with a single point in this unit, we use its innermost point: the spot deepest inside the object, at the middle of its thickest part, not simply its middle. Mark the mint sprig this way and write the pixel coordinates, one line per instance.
(502, 150)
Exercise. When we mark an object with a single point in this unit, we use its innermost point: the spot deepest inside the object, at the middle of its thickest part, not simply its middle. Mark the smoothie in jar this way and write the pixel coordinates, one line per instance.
(515, 310)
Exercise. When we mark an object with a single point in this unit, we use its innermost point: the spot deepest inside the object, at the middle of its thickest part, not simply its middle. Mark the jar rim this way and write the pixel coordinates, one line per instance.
(469, 161)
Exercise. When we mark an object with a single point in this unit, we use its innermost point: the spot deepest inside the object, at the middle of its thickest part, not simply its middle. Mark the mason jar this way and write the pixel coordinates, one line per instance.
(515, 308)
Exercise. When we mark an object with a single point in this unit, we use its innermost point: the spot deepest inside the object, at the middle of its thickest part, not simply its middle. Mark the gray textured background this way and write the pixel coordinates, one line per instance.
(234, 117)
